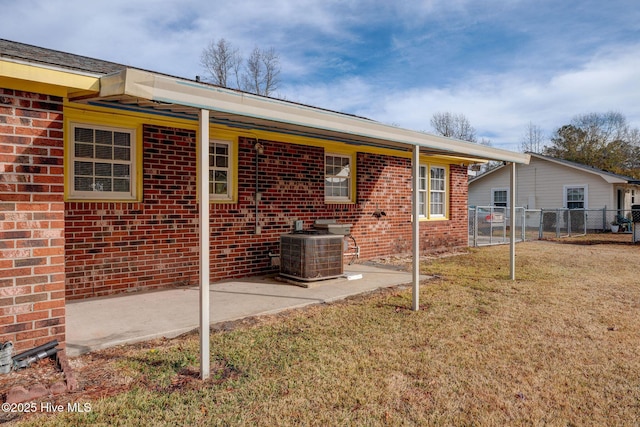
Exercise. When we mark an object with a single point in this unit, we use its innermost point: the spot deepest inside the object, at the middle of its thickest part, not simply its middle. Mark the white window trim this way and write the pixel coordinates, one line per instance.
(132, 195)
(349, 197)
(493, 194)
(423, 189)
(443, 192)
(425, 181)
(230, 172)
(586, 194)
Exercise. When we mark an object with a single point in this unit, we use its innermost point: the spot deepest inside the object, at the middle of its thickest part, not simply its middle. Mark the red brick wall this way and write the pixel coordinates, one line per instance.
(115, 247)
(32, 300)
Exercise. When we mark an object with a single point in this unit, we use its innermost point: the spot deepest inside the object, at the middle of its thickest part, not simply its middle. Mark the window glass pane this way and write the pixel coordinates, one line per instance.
(103, 169)
(104, 152)
(121, 153)
(221, 176)
(103, 184)
(222, 162)
(84, 168)
(104, 137)
(344, 171)
(83, 135)
(121, 185)
(83, 183)
(120, 171)
(221, 188)
(121, 139)
(84, 150)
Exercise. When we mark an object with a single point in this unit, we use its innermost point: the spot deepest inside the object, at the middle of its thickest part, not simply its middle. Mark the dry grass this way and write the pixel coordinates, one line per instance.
(559, 346)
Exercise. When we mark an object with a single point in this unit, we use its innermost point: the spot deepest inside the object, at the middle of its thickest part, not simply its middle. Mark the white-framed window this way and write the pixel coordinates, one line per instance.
(103, 163)
(220, 170)
(432, 191)
(575, 196)
(500, 197)
(423, 189)
(337, 178)
(437, 191)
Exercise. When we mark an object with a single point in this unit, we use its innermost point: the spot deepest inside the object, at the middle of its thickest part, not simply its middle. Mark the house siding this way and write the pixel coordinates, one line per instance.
(540, 185)
(32, 275)
(118, 247)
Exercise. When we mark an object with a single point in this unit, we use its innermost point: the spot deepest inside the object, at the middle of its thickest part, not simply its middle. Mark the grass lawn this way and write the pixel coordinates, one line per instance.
(559, 346)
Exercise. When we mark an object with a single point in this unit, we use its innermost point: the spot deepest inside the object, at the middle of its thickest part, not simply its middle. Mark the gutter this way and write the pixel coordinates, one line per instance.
(164, 89)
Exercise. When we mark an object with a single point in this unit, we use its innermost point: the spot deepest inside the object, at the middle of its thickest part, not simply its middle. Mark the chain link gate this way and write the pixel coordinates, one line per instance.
(490, 225)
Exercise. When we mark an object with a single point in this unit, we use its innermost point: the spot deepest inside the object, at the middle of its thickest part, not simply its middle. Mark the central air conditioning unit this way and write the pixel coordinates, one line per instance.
(311, 256)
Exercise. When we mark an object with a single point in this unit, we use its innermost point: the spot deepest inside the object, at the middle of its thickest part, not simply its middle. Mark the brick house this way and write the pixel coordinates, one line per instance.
(100, 188)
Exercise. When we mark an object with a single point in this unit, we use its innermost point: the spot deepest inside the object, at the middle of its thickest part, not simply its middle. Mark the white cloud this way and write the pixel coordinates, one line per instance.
(537, 63)
(501, 105)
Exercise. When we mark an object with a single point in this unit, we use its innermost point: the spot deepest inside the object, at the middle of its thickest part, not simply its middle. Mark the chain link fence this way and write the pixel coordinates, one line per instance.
(490, 225)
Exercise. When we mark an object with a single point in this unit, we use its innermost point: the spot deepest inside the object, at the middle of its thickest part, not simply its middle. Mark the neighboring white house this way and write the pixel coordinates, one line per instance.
(550, 183)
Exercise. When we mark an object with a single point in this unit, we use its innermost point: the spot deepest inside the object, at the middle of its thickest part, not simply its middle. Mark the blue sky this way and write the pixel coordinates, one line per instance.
(502, 64)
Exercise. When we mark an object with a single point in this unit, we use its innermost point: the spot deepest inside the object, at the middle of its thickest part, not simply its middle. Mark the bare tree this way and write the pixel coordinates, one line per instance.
(222, 60)
(533, 140)
(491, 164)
(259, 74)
(262, 72)
(453, 126)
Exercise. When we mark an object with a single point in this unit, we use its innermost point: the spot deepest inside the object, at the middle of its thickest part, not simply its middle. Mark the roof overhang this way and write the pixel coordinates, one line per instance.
(609, 178)
(136, 89)
(51, 80)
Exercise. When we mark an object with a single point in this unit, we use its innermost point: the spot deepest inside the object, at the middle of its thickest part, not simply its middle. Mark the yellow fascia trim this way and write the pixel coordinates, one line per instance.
(38, 78)
(80, 113)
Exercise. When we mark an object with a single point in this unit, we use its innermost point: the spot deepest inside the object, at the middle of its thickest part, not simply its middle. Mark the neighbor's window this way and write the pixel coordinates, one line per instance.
(575, 197)
(103, 163)
(337, 178)
(432, 187)
(220, 172)
(500, 197)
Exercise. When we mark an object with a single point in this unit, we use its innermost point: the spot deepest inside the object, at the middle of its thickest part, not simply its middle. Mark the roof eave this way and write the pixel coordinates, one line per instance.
(186, 93)
(72, 83)
(608, 177)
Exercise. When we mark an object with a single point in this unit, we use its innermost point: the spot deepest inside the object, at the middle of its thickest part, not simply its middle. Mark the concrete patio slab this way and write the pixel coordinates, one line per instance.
(106, 322)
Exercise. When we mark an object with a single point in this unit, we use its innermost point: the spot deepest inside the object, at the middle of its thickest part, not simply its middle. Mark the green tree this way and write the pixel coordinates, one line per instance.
(601, 140)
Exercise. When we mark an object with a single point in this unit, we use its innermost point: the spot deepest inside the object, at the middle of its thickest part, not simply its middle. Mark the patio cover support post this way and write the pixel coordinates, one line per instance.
(415, 207)
(203, 229)
(512, 222)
